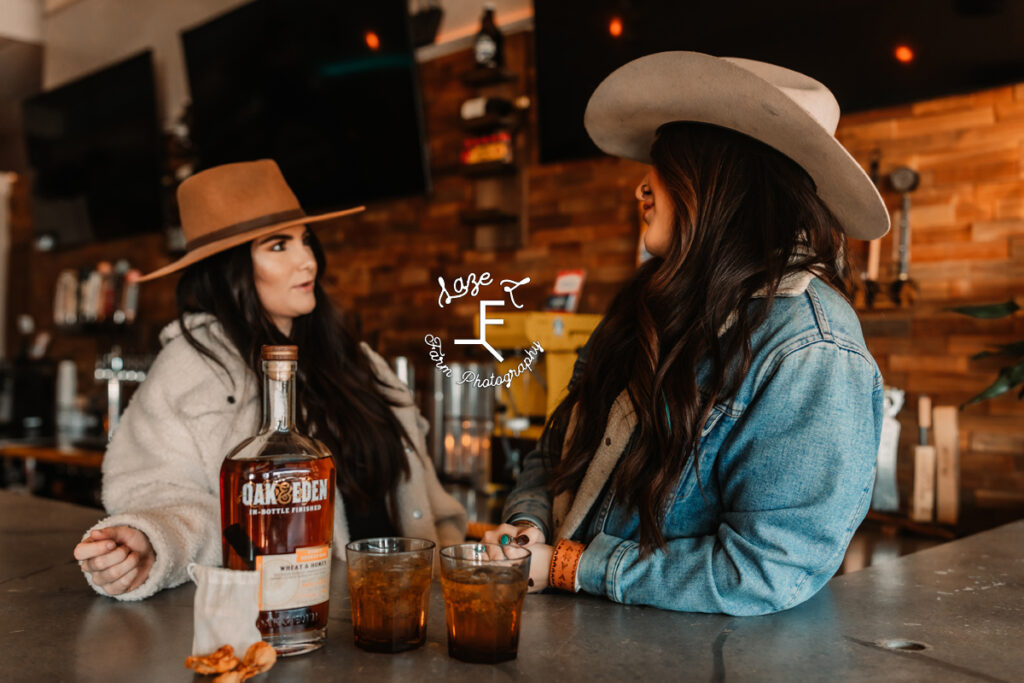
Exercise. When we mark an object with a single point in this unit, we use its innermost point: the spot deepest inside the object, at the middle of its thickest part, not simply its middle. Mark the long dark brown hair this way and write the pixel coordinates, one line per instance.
(338, 394)
(745, 216)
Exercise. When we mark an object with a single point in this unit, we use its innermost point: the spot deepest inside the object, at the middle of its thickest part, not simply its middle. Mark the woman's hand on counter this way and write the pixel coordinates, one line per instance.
(118, 558)
(528, 537)
(525, 536)
(540, 566)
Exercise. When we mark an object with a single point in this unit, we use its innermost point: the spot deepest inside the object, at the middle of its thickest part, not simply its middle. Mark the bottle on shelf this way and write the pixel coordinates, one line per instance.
(489, 44)
(129, 306)
(478, 107)
(65, 299)
(277, 514)
(105, 295)
(496, 148)
(89, 297)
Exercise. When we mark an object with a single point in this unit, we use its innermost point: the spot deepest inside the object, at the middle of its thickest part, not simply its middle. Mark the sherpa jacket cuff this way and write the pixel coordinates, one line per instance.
(161, 574)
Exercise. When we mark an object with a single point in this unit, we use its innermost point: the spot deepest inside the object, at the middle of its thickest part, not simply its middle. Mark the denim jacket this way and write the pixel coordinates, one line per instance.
(786, 467)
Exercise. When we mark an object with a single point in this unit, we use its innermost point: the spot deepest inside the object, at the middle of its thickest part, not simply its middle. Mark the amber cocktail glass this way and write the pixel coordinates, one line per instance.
(389, 583)
(484, 585)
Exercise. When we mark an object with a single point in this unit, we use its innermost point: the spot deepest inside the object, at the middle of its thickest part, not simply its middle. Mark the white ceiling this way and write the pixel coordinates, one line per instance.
(462, 17)
(22, 19)
(54, 5)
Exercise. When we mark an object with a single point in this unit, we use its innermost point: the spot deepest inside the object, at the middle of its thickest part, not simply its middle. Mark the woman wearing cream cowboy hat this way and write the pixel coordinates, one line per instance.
(252, 276)
(716, 450)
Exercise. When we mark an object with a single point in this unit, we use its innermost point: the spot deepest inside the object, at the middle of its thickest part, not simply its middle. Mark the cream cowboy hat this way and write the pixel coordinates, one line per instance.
(228, 205)
(789, 111)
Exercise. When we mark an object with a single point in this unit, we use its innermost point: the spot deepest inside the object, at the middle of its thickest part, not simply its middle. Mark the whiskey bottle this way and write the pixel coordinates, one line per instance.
(277, 514)
(489, 44)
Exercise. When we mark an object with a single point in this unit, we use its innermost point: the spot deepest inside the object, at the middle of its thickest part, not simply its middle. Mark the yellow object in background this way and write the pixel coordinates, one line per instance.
(526, 397)
(561, 335)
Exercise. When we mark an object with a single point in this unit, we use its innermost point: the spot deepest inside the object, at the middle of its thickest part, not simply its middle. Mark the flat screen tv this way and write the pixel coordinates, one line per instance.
(94, 148)
(958, 46)
(328, 89)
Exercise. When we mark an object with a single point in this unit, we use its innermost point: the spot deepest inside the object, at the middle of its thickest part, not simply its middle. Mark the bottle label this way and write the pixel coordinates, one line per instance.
(283, 496)
(485, 49)
(299, 579)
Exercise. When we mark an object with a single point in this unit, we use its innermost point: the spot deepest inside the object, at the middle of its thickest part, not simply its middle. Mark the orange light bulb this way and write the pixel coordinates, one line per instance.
(615, 27)
(372, 41)
(904, 54)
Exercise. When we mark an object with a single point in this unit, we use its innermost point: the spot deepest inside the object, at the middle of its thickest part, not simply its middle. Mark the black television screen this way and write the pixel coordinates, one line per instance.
(94, 147)
(328, 89)
(849, 45)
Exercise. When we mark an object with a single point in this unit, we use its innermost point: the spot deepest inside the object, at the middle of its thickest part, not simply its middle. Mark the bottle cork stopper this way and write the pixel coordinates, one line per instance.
(280, 353)
(924, 412)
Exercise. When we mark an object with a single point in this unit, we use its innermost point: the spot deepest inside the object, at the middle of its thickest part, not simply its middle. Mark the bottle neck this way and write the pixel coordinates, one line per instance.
(278, 396)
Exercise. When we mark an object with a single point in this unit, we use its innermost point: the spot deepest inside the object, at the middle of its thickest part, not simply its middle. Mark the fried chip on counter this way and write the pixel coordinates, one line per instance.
(236, 676)
(259, 657)
(222, 660)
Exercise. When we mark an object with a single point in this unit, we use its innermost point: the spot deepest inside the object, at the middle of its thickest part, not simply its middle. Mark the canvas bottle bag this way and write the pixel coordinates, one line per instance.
(226, 609)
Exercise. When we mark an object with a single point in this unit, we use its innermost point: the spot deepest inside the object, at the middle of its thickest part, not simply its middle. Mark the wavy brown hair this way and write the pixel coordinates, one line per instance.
(745, 216)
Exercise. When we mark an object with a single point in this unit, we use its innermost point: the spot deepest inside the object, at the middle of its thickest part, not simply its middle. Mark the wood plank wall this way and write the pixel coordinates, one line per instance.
(968, 247)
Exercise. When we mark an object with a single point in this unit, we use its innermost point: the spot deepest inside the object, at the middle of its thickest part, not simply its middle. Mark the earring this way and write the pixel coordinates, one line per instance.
(645, 189)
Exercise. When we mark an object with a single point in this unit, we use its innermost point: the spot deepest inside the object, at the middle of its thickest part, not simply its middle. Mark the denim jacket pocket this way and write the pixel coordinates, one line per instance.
(688, 477)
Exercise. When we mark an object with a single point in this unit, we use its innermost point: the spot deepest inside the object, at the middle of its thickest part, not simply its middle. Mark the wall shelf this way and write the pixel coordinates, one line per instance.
(96, 328)
(490, 168)
(487, 217)
(490, 122)
(495, 207)
(481, 77)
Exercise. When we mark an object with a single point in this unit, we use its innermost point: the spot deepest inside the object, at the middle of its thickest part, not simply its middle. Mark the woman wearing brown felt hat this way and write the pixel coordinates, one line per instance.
(251, 276)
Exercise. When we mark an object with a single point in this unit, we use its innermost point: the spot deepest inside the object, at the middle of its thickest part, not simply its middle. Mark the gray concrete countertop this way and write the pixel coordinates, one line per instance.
(964, 601)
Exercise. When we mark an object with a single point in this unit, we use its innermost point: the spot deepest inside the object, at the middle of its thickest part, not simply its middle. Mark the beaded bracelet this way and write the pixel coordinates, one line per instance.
(565, 559)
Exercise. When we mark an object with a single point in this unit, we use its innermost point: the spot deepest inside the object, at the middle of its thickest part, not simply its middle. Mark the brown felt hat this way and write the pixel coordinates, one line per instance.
(782, 108)
(228, 205)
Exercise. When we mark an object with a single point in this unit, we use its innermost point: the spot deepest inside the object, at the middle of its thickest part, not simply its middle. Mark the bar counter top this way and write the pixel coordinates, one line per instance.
(951, 613)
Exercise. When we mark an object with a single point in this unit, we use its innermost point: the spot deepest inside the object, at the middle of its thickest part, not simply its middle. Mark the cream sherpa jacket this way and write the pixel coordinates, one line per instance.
(162, 468)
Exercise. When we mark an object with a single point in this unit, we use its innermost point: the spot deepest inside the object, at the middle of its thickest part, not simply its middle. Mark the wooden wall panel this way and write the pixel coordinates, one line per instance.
(967, 228)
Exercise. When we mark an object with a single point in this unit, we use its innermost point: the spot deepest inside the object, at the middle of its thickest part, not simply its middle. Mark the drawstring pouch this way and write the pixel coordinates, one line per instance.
(226, 609)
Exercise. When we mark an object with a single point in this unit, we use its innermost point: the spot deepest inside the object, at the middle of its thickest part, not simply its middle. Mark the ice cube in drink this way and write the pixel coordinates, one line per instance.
(390, 592)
